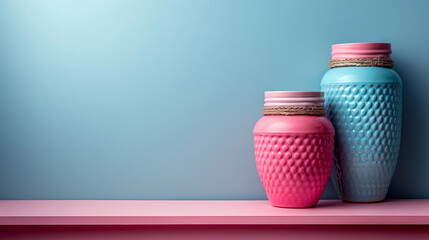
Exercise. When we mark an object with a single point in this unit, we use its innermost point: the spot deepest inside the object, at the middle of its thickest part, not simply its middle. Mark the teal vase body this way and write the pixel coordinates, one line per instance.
(365, 106)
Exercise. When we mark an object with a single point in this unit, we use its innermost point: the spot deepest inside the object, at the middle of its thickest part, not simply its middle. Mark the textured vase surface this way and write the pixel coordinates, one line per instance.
(294, 158)
(365, 106)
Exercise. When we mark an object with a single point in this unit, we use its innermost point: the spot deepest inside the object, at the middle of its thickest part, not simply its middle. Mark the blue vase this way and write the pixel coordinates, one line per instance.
(364, 103)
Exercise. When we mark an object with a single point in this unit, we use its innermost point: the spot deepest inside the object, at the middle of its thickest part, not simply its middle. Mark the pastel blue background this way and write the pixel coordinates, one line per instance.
(157, 99)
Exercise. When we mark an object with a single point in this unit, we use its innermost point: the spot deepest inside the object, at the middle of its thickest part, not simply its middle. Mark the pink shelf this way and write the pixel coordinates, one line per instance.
(122, 212)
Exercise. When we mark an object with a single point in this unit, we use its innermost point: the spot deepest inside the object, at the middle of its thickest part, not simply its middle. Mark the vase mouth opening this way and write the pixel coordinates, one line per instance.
(293, 98)
(361, 50)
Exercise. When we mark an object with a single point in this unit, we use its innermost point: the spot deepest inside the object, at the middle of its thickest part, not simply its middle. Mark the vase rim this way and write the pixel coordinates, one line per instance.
(361, 50)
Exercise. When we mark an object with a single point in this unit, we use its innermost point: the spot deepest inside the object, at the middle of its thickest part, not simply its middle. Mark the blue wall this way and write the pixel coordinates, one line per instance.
(157, 99)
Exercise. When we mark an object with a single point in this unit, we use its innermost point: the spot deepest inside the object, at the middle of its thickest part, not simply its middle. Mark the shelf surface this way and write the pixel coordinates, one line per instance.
(124, 212)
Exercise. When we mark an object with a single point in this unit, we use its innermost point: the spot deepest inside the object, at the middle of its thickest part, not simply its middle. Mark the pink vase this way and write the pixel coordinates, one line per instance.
(294, 145)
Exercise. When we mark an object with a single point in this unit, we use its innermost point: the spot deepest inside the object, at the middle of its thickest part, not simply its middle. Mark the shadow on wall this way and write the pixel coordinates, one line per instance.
(411, 173)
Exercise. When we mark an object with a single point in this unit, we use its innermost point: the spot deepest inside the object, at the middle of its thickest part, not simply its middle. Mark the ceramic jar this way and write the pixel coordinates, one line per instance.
(294, 148)
(363, 99)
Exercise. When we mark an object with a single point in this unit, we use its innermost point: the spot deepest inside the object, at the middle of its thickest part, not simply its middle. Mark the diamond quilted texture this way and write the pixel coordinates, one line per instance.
(367, 121)
(294, 169)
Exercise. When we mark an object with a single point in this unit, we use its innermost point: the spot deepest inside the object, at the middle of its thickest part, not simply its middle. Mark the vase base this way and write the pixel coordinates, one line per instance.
(351, 201)
(278, 206)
